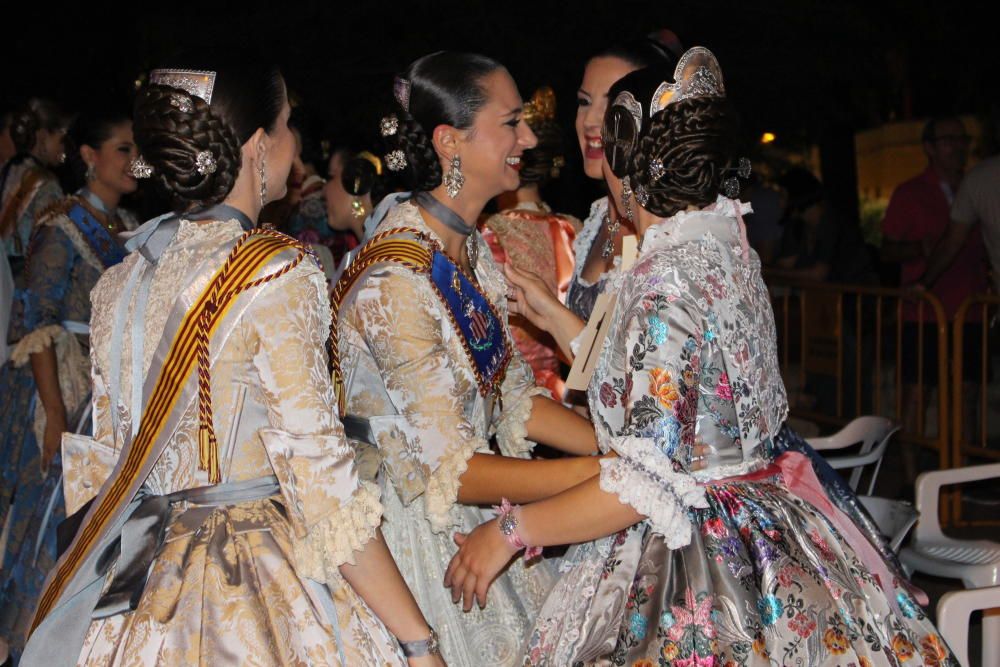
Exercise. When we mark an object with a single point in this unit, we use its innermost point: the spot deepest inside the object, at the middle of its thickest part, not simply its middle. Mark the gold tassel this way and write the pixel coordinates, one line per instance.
(208, 453)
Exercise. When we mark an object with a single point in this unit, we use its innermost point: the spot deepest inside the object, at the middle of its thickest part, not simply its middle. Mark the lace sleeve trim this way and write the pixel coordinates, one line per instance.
(644, 478)
(441, 492)
(333, 541)
(512, 427)
(35, 342)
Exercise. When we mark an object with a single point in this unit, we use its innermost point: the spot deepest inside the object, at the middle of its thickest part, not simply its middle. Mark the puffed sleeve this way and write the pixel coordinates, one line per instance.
(48, 277)
(426, 445)
(330, 510)
(659, 397)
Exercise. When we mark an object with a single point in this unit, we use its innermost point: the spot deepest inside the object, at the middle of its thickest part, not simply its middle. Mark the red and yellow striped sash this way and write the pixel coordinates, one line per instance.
(190, 345)
(380, 248)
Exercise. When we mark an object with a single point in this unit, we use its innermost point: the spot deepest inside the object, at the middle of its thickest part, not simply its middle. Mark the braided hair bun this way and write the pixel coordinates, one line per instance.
(37, 114)
(173, 127)
(170, 140)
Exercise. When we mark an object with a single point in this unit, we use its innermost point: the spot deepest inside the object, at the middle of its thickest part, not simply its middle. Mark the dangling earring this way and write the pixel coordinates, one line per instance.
(91, 172)
(613, 227)
(263, 181)
(454, 180)
(357, 208)
(627, 199)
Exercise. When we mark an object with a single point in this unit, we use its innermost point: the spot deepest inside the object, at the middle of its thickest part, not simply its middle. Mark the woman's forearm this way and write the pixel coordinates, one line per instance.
(559, 427)
(564, 326)
(45, 370)
(377, 580)
(580, 514)
(490, 478)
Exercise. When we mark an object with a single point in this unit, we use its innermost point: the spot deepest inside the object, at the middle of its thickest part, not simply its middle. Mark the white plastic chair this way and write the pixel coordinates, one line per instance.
(894, 518)
(975, 562)
(873, 433)
(953, 613)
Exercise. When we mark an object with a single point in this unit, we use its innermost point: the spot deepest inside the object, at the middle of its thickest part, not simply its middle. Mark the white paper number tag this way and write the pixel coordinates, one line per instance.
(593, 335)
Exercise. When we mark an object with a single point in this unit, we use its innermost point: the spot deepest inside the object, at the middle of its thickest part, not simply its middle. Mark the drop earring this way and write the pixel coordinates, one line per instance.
(454, 180)
(263, 182)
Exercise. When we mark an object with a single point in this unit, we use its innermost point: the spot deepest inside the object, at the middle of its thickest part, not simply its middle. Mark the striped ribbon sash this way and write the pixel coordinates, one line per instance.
(189, 347)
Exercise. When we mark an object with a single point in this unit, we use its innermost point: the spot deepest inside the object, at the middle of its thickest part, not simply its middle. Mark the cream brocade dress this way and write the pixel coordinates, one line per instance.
(229, 586)
(408, 374)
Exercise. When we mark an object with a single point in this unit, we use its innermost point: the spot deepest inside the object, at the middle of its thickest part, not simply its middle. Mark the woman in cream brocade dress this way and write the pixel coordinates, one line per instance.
(409, 375)
(271, 399)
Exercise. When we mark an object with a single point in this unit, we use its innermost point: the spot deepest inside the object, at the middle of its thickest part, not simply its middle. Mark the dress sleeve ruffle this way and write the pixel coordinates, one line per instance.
(332, 541)
(512, 427)
(645, 479)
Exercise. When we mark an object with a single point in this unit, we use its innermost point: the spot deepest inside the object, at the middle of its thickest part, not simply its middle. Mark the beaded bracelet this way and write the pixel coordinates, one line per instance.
(508, 526)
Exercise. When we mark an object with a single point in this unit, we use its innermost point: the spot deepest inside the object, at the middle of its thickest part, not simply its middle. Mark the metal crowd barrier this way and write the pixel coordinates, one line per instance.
(847, 341)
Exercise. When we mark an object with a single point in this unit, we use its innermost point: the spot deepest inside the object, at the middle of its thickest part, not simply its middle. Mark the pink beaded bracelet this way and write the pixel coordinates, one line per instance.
(508, 526)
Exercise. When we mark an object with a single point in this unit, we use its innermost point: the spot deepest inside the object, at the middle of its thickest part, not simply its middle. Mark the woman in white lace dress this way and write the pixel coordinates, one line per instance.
(745, 561)
(430, 373)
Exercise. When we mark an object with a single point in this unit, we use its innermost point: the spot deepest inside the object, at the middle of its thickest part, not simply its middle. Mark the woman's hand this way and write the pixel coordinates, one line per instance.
(55, 426)
(482, 555)
(530, 297)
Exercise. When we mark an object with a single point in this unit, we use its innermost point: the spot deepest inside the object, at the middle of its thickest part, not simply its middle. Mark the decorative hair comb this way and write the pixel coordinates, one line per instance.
(198, 83)
(697, 75)
(401, 91)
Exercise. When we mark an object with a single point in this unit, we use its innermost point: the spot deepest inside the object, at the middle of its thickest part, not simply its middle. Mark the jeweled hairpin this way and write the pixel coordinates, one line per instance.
(656, 169)
(389, 125)
(401, 91)
(744, 169)
(395, 160)
(199, 83)
(139, 168)
(181, 102)
(205, 163)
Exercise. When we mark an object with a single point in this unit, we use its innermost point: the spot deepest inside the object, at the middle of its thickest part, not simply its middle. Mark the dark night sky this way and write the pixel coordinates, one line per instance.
(812, 71)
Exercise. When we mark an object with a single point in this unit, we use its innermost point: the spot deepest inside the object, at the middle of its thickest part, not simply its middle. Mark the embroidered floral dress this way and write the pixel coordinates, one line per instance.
(408, 374)
(535, 239)
(730, 567)
(64, 263)
(236, 583)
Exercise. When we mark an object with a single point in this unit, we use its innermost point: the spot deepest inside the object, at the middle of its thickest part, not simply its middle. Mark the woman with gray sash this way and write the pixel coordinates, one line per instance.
(220, 519)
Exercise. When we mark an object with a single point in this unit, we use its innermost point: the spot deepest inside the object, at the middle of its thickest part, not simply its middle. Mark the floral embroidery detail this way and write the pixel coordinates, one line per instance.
(723, 390)
(714, 527)
(696, 661)
(770, 609)
(932, 650)
(903, 647)
(669, 651)
(658, 329)
(638, 625)
(802, 625)
(824, 548)
(835, 641)
(645, 662)
(907, 605)
(759, 645)
(608, 395)
(661, 387)
(667, 620)
(694, 614)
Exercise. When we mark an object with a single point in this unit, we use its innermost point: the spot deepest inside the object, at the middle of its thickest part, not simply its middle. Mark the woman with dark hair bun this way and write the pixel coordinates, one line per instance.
(734, 555)
(527, 234)
(424, 363)
(47, 382)
(27, 184)
(216, 514)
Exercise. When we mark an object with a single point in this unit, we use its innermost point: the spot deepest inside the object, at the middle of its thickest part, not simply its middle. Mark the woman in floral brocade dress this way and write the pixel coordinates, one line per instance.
(745, 561)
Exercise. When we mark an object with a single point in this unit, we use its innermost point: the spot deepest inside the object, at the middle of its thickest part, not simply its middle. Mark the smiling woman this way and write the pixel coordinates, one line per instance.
(421, 324)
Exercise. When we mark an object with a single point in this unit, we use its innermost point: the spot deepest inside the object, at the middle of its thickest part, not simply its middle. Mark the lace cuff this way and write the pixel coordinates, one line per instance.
(441, 492)
(644, 478)
(512, 425)
(333, 541)
(35, 342)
